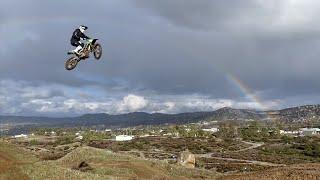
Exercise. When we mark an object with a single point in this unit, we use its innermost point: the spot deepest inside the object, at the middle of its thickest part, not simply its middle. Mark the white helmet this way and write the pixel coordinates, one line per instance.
(83, 28)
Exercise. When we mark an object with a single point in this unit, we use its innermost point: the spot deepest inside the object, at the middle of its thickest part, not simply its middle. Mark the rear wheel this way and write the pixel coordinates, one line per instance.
(71, 63)
(97, 51)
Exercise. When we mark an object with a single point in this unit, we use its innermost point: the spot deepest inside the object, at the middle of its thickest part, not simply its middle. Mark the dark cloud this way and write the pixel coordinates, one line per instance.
(162, 49)
(207, 14)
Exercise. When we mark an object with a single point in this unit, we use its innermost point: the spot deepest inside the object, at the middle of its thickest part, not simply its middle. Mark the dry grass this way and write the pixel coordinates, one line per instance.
(122, 166)
(11, 161)
(296, 172)
(16, 163)
(106, 165)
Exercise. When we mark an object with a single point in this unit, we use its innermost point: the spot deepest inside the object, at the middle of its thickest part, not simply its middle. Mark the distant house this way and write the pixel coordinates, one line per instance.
(147, 135)
(310, 131)
(284, 132)
(209, 122)
(124, 138)
(21, 136)
(108, 130)
(212, 130)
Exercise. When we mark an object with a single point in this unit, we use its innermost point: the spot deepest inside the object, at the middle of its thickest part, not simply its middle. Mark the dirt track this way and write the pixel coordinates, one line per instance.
(9, 164)
(253, 146)
(261, 163)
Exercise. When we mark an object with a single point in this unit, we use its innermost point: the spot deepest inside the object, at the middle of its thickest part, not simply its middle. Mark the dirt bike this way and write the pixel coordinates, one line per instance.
(91, 46)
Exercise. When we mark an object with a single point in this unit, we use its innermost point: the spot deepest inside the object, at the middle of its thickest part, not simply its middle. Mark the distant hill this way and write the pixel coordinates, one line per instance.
(122, 120)
(295, 114)
(300, 114)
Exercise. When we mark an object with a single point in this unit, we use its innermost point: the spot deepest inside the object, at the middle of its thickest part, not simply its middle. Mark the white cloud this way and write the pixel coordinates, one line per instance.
(288, 15)
(131, 103)
(21, 98)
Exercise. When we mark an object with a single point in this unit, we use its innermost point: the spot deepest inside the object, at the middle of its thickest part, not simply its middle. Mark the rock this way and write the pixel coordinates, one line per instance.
(187, 159)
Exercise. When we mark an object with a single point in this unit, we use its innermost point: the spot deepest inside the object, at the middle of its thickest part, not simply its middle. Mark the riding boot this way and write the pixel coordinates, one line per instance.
(77, 50)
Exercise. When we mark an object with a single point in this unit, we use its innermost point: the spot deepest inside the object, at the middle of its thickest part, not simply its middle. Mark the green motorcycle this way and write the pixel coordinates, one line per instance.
(91, 46)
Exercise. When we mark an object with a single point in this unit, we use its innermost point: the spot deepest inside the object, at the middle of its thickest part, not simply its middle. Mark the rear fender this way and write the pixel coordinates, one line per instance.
(94, 41)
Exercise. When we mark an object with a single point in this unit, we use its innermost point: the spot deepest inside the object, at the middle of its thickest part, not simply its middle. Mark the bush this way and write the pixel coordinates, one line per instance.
(95, 136)
(312, 149)
(65, 140)
(34, 142)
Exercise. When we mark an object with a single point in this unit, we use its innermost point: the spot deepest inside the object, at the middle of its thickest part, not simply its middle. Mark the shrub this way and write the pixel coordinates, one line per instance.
(34, 142)
(65, 140)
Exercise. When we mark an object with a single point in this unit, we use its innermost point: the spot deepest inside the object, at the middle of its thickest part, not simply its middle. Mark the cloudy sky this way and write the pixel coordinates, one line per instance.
(165, 56)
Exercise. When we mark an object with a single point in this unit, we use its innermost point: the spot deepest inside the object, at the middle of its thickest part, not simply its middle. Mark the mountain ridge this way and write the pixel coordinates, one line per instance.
(293, 114)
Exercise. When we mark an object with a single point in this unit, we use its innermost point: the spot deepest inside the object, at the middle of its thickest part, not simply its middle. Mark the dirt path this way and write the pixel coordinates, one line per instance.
(261, 163)
(6, 162)
(10, 163)
(253, 146)
(210, 156)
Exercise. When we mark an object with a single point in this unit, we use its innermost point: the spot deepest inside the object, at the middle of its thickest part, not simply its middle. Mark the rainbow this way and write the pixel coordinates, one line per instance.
(246, 91)
(248, 94)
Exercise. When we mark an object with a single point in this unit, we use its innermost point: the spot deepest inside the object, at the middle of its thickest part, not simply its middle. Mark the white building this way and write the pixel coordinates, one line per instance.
(124, 138)
(284, 132)
(108, 130)
(21, 136)
(146, 135)
(212, 130)
(310, 131)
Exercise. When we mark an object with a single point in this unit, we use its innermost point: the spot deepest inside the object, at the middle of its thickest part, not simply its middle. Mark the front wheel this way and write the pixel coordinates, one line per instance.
(97, 51)
(71, 63)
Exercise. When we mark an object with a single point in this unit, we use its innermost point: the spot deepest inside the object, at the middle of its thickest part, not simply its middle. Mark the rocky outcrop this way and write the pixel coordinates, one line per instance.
(187, 159)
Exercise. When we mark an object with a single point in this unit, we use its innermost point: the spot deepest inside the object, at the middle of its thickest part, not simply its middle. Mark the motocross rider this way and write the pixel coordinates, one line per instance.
(76, 38)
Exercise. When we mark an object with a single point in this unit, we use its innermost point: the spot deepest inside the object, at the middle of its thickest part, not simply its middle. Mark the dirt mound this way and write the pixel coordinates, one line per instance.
(297, 172)
(124, 166)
